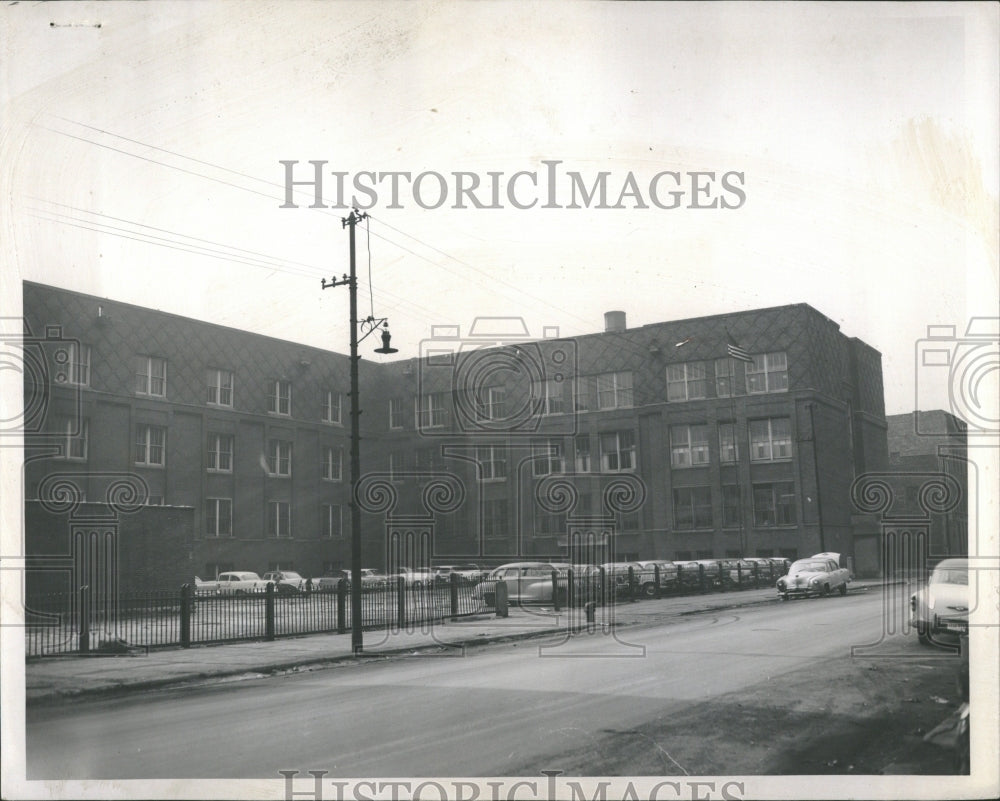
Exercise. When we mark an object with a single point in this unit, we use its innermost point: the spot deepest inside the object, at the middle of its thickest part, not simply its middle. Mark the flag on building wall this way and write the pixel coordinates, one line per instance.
(735, 351)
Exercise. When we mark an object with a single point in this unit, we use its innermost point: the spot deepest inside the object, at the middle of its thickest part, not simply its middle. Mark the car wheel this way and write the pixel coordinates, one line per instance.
(649, 589)
(843, 589)
(825, 591)
(783, 596)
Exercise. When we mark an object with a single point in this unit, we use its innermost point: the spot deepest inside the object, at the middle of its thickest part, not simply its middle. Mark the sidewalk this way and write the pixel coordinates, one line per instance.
(64, 677)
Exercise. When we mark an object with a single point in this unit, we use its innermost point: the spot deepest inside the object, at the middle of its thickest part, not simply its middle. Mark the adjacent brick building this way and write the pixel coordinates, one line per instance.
(494, 444)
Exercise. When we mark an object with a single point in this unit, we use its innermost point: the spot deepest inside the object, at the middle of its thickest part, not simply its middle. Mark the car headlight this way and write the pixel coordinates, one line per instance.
(814, 581)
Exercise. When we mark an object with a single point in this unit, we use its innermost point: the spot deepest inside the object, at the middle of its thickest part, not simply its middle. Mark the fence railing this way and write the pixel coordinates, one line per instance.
(64, 623)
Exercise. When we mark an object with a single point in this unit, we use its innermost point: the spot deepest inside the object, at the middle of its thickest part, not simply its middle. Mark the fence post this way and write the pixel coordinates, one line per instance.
(453, 587)
(500, 598)
(739, 575)
(656, 580)
(722, 576)
(603, 585)
(555, 591)
(269, 611)
(680, 580)
(631, 584)
(400, 602)
(701, 577)
(570, 588)
(85, 619)
(186, 616)
(342, 606)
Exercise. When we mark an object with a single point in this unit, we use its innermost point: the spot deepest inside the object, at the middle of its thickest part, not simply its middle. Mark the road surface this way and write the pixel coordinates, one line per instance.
(502, 710)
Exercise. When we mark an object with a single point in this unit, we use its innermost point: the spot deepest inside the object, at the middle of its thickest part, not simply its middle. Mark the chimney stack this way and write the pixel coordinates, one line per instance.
(614, 321)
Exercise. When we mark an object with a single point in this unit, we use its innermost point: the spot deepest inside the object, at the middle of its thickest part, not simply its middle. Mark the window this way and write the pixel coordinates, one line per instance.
(549, 396)
(628, 521)
(430, 411)
(279, 397)
(582, 394)
(279, 457)
(149, 444)
(333, 520)
(79, 364)
(73, 438)
(279, 519)
(617, 451)
(490, 403)
(770, 440)
(333, 464)
(219, 517)
(423, 459)
(220, 452)
(495, 517)
(151, 376)
(725, 377)
(397, 465)
(332, 407)
(614, 390)
(692, 508)
(768, 373)
(730, 505)
(220, 387)
(774, 504)
(583, 504)
(581, 444)
(549, 522)
(493, 463)
(688, 445)
(682, 556)
(728, 451)
(213, 569)
(154, 500)
(686, 381)
(395, 412)
(548, 457)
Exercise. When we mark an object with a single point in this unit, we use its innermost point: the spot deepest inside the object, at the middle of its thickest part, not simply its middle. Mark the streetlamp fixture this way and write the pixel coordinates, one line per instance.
(368, 326)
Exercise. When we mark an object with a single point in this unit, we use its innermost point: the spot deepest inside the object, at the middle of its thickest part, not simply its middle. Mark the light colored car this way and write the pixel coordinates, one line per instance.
(527, 583)
(644, 579)
(231, 582)
(287, 582)
(467, 573)
(413, 578)
(817, 575)
(370, 580)
(943, 605)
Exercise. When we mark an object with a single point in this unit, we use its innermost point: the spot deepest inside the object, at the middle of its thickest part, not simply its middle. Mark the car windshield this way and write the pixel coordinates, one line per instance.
(807, 565)
(950, 575)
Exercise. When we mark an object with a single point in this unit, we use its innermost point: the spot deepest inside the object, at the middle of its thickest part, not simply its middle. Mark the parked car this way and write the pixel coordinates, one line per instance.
(817, 575)
(413, 578)
(467, 573)
(715, 572)
(370, 580)
(689, 575)
(287, 582)
(943, 604)
(231, 582)
(644, 578)
(668, 576)
(737, 572)
(527, 583)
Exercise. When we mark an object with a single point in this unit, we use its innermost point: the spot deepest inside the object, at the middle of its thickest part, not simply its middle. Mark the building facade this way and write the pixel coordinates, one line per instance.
(736, 434)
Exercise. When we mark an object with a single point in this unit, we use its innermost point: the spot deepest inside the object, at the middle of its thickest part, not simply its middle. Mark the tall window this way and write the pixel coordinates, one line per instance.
(430, 410)
(149, 445)
(279, 457)
(279, 519)
(333, 463)
(774, 504)
(581, 445)
(332, 403)
(730, 505)
(495, 517)
(686, 381)
(549, 522)
(728, 450)
(73, 437)
(768, 373)
(79, 364)
(688, 445)
(770, 440)
(582, 393)
(220, 387)
(279, 397)
(395, 412)
(493, 463)
(549, 396)
(490, 403)
(333, 520)
(548, 457)
(725, 377)
(692, 508)
(397, 465)
(220, 452)
(151, 376)
(614, 390)
(219, 517)
(617, 451)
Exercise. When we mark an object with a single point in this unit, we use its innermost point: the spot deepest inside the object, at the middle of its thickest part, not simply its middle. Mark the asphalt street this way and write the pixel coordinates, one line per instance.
(503, 709)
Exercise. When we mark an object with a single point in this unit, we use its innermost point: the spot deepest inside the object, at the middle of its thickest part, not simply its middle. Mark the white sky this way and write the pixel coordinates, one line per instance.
(867, 135)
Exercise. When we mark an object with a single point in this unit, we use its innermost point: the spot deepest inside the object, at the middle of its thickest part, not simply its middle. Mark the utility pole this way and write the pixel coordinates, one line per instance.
(815, 455)
(371, 324)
